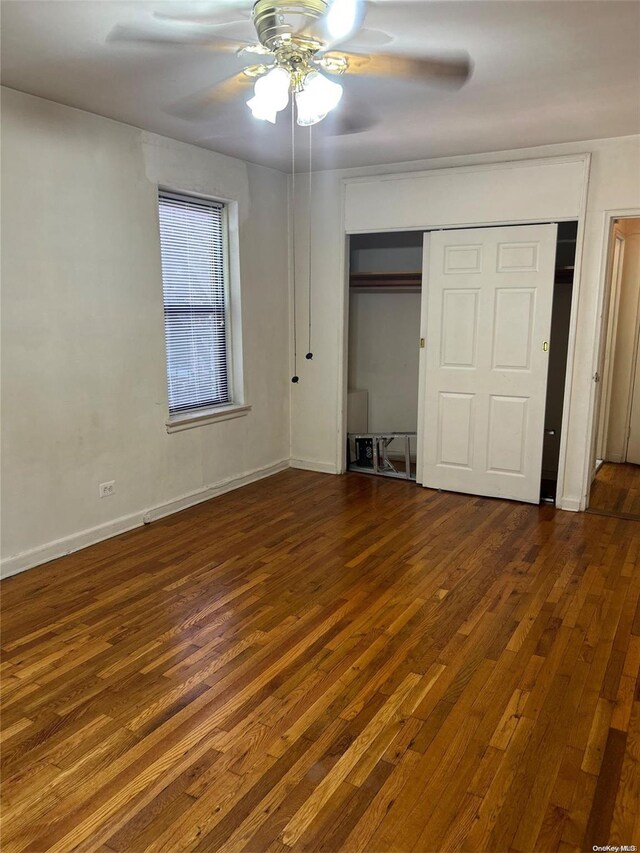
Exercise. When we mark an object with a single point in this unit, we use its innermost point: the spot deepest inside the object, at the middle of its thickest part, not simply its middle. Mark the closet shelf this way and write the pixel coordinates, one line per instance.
(389, 280)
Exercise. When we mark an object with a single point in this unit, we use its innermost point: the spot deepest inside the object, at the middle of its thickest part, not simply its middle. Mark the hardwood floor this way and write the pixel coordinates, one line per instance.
(329, 663)
(616, 490)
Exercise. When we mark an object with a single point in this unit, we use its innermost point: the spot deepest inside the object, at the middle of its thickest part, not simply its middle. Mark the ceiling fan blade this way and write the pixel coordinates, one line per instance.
(197, 107)
(349, 122)
(399, 6)
(352, 115)
(365, 39)
(163, 36)
(202, 20)
(221, 13)
(454, 71)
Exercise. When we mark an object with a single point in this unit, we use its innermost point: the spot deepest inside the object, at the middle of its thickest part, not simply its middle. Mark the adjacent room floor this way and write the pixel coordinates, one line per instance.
(329, 663)
(616, 490)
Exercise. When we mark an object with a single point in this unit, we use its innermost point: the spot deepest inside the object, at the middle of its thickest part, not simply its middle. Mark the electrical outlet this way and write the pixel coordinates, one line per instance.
(107, 489)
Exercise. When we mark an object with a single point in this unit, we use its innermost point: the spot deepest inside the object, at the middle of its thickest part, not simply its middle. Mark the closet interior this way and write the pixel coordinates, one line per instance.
(385, 285)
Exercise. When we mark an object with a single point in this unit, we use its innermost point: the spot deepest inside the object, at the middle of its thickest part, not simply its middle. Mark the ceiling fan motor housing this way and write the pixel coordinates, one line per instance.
(291, 21)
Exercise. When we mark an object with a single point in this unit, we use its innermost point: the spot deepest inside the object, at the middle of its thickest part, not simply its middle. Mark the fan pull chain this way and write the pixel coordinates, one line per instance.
(309, 355)
(295, 378)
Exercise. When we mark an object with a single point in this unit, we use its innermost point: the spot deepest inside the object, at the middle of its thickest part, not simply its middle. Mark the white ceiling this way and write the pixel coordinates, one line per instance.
(545, 71)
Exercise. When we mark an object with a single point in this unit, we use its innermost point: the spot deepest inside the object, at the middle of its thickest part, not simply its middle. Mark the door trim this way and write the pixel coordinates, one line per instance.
(614, 276)
(632, 381)
(422, 358)
(592, 411)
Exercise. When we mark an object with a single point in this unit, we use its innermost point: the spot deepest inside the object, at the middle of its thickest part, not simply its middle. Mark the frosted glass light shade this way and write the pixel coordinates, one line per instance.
(261, 110)
(271, 95)
(318, 97)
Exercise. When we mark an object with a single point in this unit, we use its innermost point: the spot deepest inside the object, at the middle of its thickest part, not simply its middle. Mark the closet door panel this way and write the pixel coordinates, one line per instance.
(488, 298)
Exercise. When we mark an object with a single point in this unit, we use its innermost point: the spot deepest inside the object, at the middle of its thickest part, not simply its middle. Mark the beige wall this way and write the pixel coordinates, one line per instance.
(614, 183)
(626, 337)
(83, 361)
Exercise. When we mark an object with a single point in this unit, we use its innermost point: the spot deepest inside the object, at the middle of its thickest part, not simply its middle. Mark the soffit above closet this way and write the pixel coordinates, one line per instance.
(545, 71)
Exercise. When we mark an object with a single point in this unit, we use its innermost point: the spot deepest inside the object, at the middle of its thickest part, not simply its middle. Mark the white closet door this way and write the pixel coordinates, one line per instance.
(489, 297)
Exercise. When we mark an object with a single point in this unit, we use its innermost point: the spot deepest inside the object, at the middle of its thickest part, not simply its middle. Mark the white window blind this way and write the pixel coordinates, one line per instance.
(192, 242)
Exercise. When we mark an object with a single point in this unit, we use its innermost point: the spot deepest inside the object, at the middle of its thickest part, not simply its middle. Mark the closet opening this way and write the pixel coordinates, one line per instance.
(385, 290)
(482, 442)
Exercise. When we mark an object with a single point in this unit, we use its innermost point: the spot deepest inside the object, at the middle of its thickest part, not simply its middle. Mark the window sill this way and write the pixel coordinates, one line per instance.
(203, 417)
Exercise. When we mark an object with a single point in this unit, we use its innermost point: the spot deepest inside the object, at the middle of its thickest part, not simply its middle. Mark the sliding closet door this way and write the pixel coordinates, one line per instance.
(489, 295)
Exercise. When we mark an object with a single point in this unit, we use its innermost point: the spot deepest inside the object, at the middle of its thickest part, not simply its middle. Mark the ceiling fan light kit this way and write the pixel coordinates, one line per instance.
(288, 30)
(304, 43)
(315, 96)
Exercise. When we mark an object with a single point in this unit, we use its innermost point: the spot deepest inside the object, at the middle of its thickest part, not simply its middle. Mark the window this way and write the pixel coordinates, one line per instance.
(194, 279)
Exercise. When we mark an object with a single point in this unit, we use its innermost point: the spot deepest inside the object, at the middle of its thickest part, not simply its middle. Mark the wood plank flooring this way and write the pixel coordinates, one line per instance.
(616, 490)
(332, 664)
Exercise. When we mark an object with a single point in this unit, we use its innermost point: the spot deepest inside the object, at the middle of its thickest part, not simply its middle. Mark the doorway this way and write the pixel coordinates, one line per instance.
(615, 488)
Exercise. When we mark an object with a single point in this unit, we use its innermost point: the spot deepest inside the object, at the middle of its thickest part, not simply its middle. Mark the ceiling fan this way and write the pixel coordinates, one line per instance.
(297, 41)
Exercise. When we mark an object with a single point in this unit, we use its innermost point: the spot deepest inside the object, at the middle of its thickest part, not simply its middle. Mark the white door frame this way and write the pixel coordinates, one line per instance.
(607, 226)
(607, 349)
(632, 380)
(426, 246)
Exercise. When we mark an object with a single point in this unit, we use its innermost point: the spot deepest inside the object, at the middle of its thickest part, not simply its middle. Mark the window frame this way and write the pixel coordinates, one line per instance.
(235, 406)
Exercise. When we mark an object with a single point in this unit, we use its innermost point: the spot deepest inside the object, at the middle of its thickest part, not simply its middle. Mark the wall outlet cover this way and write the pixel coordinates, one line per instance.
(107, 489)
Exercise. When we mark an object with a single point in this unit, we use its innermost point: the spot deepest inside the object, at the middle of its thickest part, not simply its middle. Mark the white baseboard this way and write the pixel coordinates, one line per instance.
(205, 494)
(598, 465)
(67, 545)
(76, 541)
(615, 457)
(311, 465)
(569, 504)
